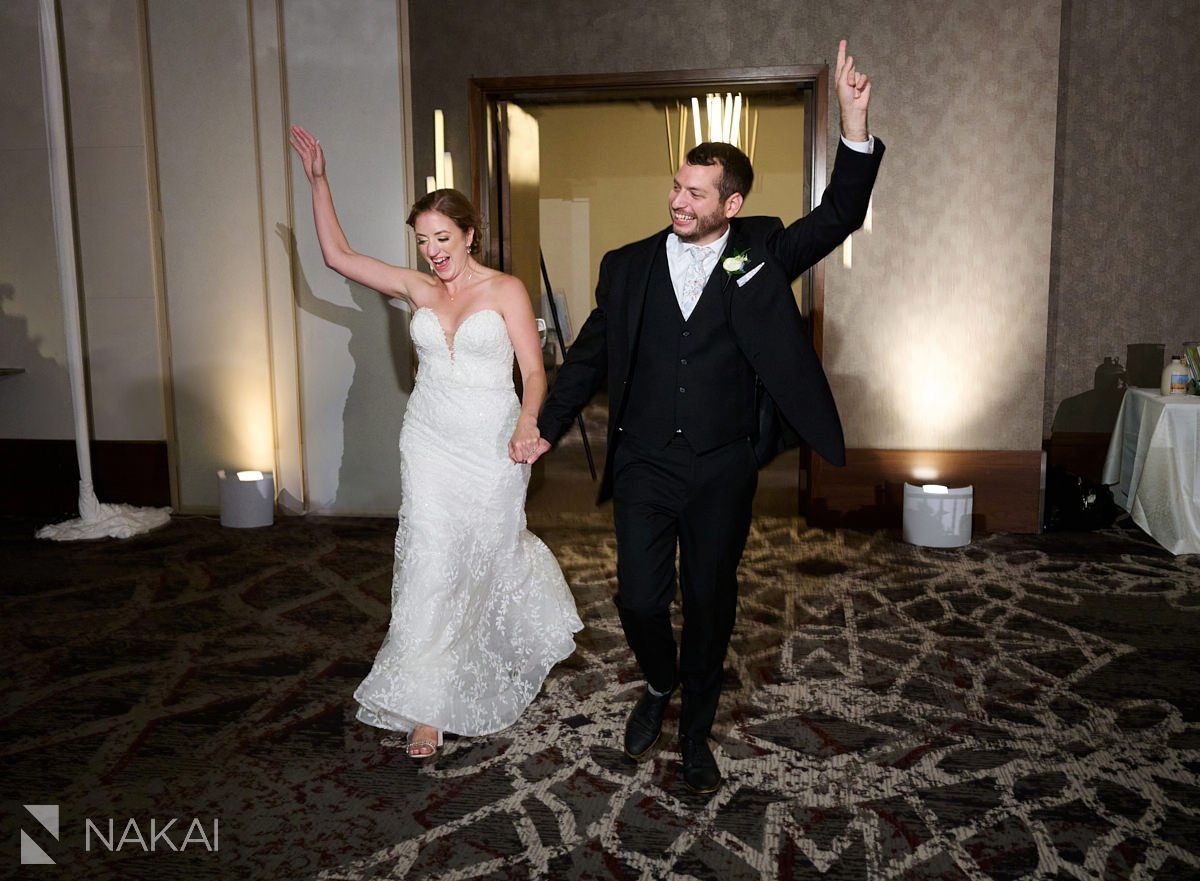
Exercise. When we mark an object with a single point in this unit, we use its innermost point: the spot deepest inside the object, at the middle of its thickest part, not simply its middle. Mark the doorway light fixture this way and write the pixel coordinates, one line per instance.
(727, 118)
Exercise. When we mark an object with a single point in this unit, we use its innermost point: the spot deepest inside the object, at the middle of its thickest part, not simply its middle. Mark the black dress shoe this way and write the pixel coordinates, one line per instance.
(700, 771)
(644, 724)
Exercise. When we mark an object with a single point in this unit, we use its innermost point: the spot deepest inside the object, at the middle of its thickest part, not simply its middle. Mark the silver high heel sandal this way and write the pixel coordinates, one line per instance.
(423, 744)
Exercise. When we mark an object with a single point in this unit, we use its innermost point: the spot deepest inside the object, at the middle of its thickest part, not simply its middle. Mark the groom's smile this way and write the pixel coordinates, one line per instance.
(698, 216)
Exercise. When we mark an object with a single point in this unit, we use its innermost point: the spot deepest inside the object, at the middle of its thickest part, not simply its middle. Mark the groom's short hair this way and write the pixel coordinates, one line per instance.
(737, 175)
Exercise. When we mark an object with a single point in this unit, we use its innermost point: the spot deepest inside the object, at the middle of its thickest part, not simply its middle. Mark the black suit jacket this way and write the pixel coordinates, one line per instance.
(794, 400)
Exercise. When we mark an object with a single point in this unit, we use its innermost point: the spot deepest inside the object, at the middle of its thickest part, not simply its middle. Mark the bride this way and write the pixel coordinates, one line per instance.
(480, 609)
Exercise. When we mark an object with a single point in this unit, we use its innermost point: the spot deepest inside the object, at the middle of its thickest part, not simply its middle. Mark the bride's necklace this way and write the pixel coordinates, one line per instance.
(470, 275)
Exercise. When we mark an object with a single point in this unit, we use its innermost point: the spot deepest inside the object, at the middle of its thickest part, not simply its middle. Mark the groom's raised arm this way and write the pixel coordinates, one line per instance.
(844, 203)
(582, 371)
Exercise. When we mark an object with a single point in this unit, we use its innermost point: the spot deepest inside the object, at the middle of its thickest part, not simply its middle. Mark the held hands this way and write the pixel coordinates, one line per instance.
(537, 448)
(854, 94)
(309, 150)
(525, 445)
(543, 447)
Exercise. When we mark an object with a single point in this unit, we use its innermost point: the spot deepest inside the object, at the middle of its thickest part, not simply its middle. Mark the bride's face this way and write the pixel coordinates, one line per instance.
(442, 244)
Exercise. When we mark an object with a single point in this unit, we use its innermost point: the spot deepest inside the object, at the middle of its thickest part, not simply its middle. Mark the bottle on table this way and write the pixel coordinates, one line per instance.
(1174, 378)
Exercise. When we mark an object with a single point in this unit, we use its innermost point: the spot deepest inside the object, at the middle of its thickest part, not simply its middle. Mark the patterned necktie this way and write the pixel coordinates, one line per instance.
(694, 280)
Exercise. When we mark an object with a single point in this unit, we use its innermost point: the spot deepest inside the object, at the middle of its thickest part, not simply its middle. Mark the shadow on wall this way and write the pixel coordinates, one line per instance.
(1096, 409)
(18, 349)
(30, 482)
(360, 450)
(1083, 423)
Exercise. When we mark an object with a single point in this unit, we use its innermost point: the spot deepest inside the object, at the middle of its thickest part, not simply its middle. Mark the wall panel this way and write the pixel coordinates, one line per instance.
(103, 50)
(343, 84)
(36, 404)
(204, 117)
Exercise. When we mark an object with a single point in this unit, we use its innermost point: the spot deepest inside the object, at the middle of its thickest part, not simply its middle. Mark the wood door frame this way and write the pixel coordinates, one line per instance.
(486, 93)
(487, 186)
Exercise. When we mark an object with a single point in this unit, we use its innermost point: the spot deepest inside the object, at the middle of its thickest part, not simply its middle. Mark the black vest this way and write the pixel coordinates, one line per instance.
(690, 376)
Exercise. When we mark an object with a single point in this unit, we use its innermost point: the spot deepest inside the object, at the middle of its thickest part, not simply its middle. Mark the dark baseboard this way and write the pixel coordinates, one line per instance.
(868, 492)
(41, 477)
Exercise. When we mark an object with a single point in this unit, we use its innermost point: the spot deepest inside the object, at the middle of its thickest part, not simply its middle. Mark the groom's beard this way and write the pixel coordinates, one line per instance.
(705, 225)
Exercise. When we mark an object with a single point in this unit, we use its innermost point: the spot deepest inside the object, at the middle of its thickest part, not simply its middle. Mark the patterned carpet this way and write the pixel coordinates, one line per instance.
(1026, 707)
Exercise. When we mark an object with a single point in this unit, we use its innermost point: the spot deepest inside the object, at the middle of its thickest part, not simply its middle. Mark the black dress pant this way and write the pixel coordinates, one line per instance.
(668, 497)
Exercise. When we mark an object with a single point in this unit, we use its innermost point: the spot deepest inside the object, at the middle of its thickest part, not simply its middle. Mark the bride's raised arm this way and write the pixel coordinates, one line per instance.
(395, 281)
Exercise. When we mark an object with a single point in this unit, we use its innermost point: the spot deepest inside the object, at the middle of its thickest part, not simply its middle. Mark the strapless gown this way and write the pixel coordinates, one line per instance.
(480, 608)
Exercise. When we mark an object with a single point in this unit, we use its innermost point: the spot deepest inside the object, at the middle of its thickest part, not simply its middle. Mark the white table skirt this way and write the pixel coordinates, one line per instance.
(1153, 466)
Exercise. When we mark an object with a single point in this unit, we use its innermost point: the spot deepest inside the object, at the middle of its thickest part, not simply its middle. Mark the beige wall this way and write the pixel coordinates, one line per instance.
(936, 338)
(271, 362)
(613, 155)
(204, 120)
(36, 404)
(343, 83)
(103, 51)
(565, 235)
(1127, 200)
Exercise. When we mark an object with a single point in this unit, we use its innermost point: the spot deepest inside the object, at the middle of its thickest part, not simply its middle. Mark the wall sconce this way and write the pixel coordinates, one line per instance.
(443, 176)
(247, 499)
(847, 246)
(937, 516)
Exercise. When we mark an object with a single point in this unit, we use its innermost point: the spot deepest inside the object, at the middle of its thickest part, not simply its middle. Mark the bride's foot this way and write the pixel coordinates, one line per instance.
(423, 742)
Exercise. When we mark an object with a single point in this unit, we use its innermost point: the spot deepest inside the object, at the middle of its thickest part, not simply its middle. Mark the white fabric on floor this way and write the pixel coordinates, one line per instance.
(99, 520)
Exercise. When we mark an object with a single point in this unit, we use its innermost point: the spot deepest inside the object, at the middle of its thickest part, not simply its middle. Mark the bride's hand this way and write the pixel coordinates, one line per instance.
(309, 150)
(524, 442)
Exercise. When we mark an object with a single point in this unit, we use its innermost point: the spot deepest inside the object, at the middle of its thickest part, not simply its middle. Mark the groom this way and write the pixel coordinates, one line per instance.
(710, 375)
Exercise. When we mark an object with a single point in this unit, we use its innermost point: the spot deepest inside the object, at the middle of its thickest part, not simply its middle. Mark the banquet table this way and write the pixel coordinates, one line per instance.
(1153, 466)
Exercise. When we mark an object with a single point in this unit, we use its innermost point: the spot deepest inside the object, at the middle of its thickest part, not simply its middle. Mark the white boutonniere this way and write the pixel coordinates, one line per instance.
(735, 265)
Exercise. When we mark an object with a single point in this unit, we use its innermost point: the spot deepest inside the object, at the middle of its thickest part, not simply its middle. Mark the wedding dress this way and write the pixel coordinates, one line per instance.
(480, 608)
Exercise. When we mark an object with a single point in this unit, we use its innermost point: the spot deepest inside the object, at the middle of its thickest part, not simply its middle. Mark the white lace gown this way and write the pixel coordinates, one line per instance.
(480, 608)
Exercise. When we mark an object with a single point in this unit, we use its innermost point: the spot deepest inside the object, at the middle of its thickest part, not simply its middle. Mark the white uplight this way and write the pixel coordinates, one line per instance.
(247, 502)
(937, 516)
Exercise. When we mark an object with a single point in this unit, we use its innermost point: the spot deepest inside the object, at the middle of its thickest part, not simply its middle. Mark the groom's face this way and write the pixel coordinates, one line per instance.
(698, 215)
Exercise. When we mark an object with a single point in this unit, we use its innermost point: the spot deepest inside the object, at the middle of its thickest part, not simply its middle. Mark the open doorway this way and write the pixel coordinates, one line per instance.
(567, 168)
